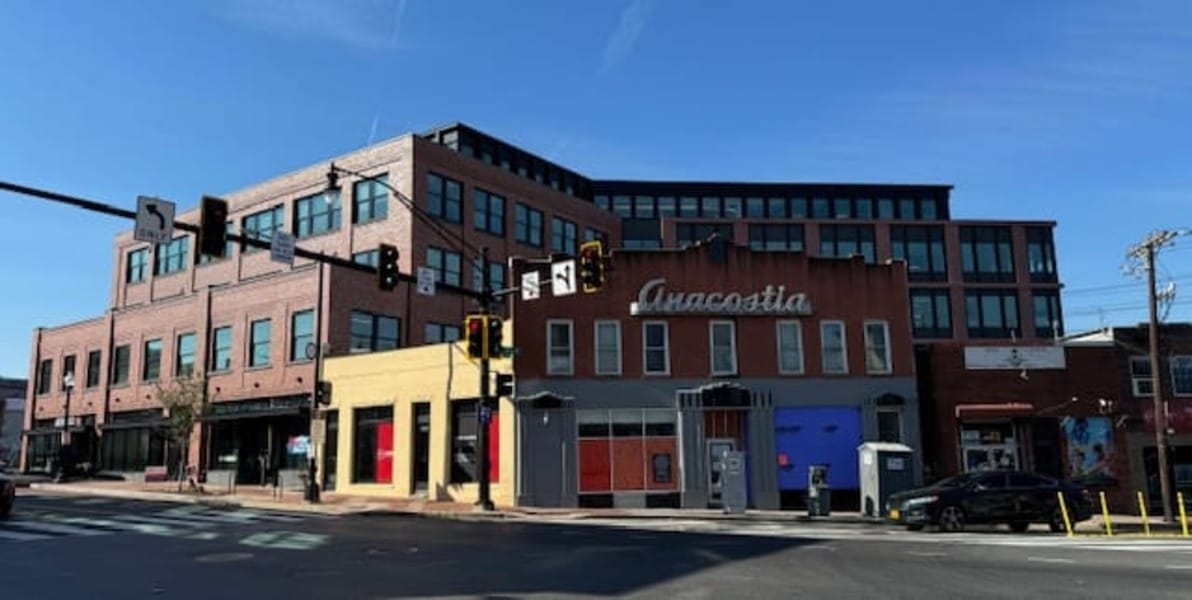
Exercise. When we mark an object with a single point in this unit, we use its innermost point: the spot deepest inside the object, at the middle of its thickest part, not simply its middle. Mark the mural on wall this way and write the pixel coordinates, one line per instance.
(1090, 449)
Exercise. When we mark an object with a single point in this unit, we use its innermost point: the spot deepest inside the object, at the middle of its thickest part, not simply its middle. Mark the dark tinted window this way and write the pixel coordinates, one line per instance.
(992, 481)
(1027, 480)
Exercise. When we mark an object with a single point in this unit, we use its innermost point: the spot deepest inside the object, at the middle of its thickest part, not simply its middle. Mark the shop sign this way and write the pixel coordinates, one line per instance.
(1014, 358)
(655, 299)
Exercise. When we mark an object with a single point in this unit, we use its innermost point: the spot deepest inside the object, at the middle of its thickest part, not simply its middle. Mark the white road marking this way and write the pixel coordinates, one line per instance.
(926, 554)
(1045, 559)
(1179, 567)
(56, 528)
(162, 521)
(7, 534)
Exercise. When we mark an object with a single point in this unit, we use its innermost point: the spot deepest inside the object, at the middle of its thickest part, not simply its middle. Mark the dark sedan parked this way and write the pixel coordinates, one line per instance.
(992, 497)
(8, 495)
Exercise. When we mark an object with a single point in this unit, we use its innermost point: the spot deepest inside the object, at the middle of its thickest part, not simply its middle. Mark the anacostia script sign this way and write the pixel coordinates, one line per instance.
(655, 299)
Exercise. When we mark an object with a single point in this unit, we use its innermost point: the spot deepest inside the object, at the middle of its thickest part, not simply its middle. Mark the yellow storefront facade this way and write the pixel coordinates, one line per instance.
(402, 424)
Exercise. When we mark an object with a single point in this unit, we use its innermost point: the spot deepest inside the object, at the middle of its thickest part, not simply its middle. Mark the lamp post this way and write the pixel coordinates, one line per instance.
(65, 456)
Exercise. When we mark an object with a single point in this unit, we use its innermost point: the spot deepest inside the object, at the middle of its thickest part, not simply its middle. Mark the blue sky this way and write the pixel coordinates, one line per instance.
(1073, 111)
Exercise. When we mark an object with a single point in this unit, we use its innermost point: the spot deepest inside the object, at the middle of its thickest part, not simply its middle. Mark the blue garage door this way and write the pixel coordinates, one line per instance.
(817, 436)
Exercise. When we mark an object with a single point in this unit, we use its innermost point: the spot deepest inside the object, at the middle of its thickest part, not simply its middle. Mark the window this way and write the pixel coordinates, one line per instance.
(528, 228)
(563, 236)
(922, 247)
(877, 347)
(132, 449)
(151, 361)
(372, 441)
(559, 347)
(121, 361)
(316, 214)
(138, 266)
(832, 345)
(45, 374)
(443, 197)
(931, 314)
(369, 257)
(496, 275)
(302, 334)
(820, 209)
(229, 247)
(790, 348)
(646, 458)
(1181, 375)
(464, 421)
(591, 235)
(723, 338)
(885, 208)
(261, 225)
(608, 347)
(1048, 323)
(986, 254)
(435, 333)
(864, 208)
(446, 265)
(93, 365)
(1140, 376)
(488, 212)
(688, 234)
(171, 256)
(655, 348)
(842, 208)
(68, 368)
(370, 200)
(184, 356)
(373, 333)
(221, 349)
(1040, 254)
(992, 314)
(889, 425)
(259, 337)
(776, 237)
(844, 241)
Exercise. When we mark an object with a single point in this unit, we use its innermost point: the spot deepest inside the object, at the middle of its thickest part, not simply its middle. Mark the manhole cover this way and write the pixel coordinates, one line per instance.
(223, 558)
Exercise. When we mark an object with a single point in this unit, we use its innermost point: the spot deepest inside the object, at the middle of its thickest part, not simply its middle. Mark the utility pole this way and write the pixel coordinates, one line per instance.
(1144, 256)
(484, 411)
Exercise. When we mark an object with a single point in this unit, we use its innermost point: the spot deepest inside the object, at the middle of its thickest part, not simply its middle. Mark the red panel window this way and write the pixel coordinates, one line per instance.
(384, 468)
(629, 473)
(595, 472)
(494, 448)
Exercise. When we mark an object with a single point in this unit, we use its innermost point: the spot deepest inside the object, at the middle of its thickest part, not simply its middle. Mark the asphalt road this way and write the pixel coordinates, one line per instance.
(72, 547)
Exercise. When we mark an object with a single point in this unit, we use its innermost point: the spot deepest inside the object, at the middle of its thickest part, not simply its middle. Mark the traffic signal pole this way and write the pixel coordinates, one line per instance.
(484, 410)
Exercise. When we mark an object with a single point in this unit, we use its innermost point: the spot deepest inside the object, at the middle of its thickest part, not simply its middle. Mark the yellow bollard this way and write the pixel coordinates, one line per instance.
(1064, 511)
(1105, 515)
(1146, 521)
(1183, 513)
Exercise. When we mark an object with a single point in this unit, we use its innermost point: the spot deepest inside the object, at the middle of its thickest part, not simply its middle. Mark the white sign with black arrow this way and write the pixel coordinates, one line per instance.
(562, 277)
(155, 220)
(529, 285)
(426, 281)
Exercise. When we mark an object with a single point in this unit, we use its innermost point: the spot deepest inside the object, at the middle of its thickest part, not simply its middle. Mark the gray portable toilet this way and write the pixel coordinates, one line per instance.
(886, 469)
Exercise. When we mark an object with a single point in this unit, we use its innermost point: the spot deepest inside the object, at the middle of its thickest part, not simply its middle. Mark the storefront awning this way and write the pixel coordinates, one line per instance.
(1007, 410)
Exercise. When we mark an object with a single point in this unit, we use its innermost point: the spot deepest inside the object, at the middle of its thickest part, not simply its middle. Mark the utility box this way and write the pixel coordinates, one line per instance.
(819, 493)
(734, 494)
(886, 469)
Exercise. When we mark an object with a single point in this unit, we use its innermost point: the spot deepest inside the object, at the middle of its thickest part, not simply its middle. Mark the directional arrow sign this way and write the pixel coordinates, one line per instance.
(155, 220)
(562, 277)
(529, 285)
(426, 281)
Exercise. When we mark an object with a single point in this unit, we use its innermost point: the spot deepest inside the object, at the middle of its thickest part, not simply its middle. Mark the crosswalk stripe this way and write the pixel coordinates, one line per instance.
(54, 528)
(19, 536)
(161, 521)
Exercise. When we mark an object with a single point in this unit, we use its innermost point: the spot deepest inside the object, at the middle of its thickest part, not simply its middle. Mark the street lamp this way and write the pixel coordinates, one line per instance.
(64, 450)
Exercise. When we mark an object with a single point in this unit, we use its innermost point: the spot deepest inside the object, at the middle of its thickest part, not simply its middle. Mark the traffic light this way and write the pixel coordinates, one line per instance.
(493, 342)
(475, 329)
(387, 271)
(213, 230)
(323, 393)
(591, 266)
(504, 385)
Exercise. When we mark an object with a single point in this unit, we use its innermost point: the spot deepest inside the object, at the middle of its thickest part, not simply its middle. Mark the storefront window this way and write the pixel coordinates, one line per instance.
(627, 450)
(989, 446)
(372, 438)
(464, 431)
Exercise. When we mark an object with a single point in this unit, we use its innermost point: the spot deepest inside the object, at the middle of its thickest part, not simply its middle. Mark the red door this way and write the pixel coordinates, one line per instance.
(384, 473)
(494, 448)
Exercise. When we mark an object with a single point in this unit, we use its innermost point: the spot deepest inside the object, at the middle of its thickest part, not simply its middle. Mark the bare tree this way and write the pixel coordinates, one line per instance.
(186, 403)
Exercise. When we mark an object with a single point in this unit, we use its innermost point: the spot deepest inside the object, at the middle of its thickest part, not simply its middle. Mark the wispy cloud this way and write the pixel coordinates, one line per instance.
(624, 37)
(368, 24)
(372, 131)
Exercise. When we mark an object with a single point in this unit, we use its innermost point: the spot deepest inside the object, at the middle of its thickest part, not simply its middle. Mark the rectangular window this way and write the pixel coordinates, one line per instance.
(368, 257)
(184, 356)
(991, 313)
(687, 234)
(987, 254)
(922, 247)
(221, 349)
(844, 241)
(137, 268)
(1040, 254)
(1140, 376)
(528, 226)
(488, 212)
(317, 214)
(776, 238)
(1181, 375)
(259, 338)
(229, 247)
(877, 347)
(655, 348)
(560, 347)
(370, 200)
(94, 358)
(842, 208)
(121, 363)
(608, 347)
(1048, 322)
(592, 235)
(790, 348)
(885, 208)
(832, 347)
(45, 375)
(446, 265)
(496, 275)
(563, 236)
(889, 425)
(171, 256)
(723, 342)
(151, 361)
(464, 422)
(931, 314)
(436, 333)
(443, 196)
(302, 334)
(373, 333)
(261, 225)
(68, 370)
(820, 208)
(372, 445)
(864, 208)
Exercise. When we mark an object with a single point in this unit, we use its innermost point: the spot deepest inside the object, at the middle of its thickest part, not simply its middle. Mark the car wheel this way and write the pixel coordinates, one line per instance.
(1019, 526)
(951, 519)
(1056, 522)
(914, 528)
